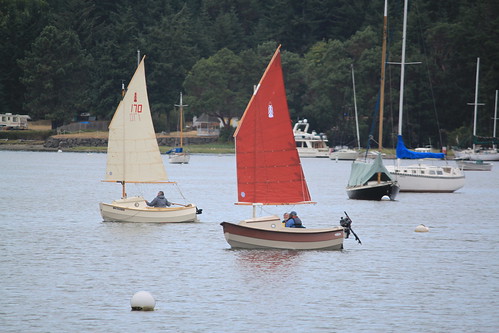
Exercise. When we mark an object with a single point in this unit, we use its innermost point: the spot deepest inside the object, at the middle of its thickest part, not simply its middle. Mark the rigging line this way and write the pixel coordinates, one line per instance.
(179, 191)
(426, 62)
(373, 125)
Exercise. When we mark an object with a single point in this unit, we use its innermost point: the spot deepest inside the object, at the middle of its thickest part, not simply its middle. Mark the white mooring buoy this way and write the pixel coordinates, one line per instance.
(142, 301)
(422, 228)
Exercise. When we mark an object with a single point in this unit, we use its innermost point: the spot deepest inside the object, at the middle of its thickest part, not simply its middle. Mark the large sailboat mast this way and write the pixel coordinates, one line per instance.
(382, 88)
(402, 70)
(382, 83)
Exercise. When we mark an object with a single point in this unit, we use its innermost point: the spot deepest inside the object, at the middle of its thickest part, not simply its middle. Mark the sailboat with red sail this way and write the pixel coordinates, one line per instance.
(269, 172)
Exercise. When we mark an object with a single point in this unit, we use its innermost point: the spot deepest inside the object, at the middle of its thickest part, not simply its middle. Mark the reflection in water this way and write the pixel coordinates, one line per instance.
(267, 260)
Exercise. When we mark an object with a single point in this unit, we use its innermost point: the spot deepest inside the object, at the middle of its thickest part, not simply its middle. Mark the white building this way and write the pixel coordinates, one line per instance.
(13, 121)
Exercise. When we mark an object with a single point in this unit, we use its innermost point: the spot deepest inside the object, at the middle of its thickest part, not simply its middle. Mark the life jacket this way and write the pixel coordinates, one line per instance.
(298, 223)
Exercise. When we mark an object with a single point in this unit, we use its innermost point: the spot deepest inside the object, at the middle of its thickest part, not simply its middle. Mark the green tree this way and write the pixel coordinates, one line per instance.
(217, 86)
(55, 74)
(21, 21)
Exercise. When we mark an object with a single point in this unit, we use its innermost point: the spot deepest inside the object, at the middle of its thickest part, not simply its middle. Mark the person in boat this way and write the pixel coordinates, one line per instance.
(294, 221)
(159, 201)
(285, 218)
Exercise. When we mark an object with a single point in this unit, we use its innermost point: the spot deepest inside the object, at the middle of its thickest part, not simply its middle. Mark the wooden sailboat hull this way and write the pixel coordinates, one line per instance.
(265, 233)
(373, 191)
(426, 178)
(135, 210)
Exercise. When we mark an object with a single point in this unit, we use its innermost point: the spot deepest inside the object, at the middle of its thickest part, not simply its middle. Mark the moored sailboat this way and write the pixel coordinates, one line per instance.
(269, 172)
(371, 180)
(178, 155)
(133, 156)
(479, 153)
(420, 177)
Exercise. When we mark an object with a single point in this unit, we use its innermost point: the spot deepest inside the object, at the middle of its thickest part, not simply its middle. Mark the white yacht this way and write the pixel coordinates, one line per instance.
(309, 144)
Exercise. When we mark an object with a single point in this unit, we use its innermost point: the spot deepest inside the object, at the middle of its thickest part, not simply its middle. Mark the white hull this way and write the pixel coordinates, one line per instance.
(309, 144)
(344, 154)
(179, 158)
(427, 178)
(134, 209)
(481, 155)
(312, 152)
(474, 165)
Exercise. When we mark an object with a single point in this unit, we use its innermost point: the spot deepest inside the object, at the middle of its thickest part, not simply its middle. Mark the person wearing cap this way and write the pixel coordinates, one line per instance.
(294, 221)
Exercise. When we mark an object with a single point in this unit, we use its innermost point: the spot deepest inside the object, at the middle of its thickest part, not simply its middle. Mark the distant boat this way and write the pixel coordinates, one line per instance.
(420, 177)
(370, 180)
(269, 172)
(133, 156)
(469, 165)
(478, 153)
(178, 155)
(343, 153)
(309, 144)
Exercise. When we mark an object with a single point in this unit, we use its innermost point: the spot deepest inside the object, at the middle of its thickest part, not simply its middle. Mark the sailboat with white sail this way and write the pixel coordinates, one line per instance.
(371, 180)
(478, 153)
(420, 177)
(133, 156)
(178, 155)
(269, 172)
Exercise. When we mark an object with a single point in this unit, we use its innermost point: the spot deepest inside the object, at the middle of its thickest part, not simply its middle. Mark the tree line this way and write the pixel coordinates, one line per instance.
(61, 58)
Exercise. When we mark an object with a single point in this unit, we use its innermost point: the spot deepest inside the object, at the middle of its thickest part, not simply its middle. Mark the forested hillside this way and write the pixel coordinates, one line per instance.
(61, 58)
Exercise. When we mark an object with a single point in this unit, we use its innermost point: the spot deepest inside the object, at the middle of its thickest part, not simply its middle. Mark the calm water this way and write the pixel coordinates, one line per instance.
(64, 270)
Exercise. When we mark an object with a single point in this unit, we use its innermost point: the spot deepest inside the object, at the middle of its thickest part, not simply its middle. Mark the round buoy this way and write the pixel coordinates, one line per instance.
(142, 301)
(422, 228)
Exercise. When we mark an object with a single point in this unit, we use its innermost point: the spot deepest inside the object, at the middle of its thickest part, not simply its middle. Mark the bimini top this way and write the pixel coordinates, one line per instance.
(362, 172)
(403, 152)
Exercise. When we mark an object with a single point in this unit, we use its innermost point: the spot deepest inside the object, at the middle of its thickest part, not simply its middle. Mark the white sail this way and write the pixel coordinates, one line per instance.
(133, 154)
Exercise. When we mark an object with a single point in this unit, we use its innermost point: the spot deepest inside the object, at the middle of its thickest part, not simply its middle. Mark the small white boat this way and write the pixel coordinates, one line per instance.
(309, 144)
(468, 165)
(133, 156)
(343, 153)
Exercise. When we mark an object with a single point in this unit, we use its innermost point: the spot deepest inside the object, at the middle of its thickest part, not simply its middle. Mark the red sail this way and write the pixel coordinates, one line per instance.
(268, 165)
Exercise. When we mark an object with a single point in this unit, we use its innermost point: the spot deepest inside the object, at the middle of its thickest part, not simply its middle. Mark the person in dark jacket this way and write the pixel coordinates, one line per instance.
(294, 221)
(159, 201)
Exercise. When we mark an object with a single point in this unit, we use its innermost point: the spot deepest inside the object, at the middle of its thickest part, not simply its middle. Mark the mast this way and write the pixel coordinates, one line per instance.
(475, 107)
(495, 121)
(355, 106)
(382, 83)
(181, 115)
(402, 69)
(475, 104)
(383, 64)
(123, 185)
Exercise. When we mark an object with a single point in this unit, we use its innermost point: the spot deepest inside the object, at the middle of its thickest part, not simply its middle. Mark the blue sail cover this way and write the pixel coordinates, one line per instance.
(403, 152)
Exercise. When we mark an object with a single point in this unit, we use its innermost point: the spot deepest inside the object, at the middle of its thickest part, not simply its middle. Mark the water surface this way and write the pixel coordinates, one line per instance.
(64, 270)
